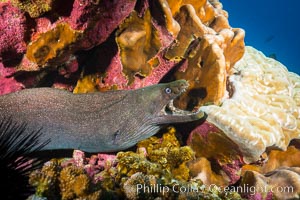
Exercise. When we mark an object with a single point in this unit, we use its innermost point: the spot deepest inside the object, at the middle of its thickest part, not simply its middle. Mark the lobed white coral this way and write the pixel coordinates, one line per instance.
(264, 109)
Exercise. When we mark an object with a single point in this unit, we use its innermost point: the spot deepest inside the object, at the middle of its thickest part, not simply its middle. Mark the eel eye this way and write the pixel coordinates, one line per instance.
(168, 90)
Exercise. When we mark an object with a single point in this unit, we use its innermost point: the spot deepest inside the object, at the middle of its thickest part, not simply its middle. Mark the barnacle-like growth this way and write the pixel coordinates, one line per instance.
(263, 108)
(162, 157)
(53, 45)
(130, 186)
(142, 186)
(12, 37)
(130, 163)
(45, 180)
(70, 182)
(74, 182)
(167, 152)
(34, 8)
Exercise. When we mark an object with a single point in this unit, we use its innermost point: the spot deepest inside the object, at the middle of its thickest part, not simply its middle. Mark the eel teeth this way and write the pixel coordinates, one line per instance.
(171, 109)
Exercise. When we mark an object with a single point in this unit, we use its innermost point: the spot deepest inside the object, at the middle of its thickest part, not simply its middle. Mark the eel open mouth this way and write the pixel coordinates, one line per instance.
(170, 109)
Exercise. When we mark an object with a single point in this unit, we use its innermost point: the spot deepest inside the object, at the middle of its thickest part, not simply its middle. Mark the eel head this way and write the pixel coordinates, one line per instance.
(150, 108)
(164, 110)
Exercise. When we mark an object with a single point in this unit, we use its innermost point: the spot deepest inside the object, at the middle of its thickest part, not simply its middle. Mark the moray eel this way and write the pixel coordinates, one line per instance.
(96, 122)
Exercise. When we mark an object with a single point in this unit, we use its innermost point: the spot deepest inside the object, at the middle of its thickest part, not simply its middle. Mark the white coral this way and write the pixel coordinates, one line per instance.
(264, 110)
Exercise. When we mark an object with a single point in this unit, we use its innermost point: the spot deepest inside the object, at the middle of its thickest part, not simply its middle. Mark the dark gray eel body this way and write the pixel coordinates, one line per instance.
(95, 122)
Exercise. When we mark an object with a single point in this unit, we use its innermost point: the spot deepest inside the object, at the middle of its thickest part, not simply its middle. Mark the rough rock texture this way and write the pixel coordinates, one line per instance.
(227, 158)
(8, 85)
(262, 109)
(283, 183)
(12, 38)
(203, 169)
(98, 19)
(276, 159)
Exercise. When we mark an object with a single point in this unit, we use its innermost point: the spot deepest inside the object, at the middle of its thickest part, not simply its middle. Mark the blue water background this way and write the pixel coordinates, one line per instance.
(272, 26)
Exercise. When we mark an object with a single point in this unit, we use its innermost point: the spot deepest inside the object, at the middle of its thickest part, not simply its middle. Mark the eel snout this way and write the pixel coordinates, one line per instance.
(179, 87)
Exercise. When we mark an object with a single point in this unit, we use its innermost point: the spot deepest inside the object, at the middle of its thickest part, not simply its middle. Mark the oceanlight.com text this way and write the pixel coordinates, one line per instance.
(244, 189)
(251, 190)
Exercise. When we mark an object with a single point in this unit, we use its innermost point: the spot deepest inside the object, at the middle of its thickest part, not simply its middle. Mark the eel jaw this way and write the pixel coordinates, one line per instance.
(170, 109)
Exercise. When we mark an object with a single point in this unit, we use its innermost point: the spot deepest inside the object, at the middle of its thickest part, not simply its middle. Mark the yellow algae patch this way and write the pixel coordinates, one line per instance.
(34, 8)
(52, 45)
(88, 83)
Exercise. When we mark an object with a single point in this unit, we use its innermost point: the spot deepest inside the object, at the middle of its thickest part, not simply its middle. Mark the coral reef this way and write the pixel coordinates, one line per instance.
(137, 36)
(74, 183)
(12, 37)
(282, 183)
(87, 84)
(8, 85)
(69, 182)
(50, 45)
(276, 159)
(184, 52)
(275, 177)
(202, 169)
(162, 157)
(34, 8)
(228, 158)
(209, 48)
(141, 186)
(43, 36)
(45, 180)
(261, 111)
(98, 19)
(252, 102)
(206, 42)
(159, 163)
(135, 43)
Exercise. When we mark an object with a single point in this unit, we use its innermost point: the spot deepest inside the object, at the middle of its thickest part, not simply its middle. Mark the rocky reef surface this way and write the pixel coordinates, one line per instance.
(247, 148)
